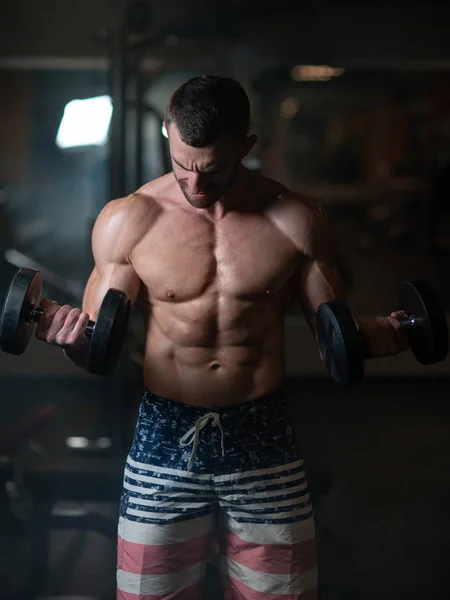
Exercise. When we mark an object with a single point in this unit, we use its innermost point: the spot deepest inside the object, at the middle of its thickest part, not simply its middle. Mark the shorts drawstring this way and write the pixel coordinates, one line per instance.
(192, 436)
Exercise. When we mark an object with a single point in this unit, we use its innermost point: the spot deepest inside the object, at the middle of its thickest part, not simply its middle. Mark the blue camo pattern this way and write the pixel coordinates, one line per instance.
(257, 435)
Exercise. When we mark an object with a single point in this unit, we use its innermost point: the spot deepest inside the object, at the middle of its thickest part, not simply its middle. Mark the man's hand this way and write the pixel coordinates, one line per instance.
(62, 326)
(385, 336)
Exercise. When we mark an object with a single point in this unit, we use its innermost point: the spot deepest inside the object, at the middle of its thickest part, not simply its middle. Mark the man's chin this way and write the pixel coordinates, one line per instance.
(202, 201)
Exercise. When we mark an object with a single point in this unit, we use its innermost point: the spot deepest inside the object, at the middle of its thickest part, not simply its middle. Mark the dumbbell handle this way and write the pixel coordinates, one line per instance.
(410, 322)
(36, 313)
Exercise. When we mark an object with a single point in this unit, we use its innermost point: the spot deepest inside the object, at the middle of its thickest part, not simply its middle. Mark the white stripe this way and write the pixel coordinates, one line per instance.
(263, 493)
(158, 585)
(209, 477)
(180, 493)
(148, 491)
(266, 505)
(268, 515)
(270, 583)
(288, 533)
(268, 482)
(161, 481)
(151, 534)
(168, 503)
(227, 497)
(258, 472)
(189, 488)
(167, 471)
(163, 517)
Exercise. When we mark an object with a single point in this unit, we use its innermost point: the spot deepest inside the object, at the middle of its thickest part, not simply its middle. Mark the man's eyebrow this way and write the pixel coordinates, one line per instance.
(211, 167)
(179, 164)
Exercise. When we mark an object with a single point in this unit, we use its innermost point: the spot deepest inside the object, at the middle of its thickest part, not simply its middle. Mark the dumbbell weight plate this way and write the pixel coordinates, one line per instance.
(109, 332)
(340, 343)
(15, 330)
(429, 339)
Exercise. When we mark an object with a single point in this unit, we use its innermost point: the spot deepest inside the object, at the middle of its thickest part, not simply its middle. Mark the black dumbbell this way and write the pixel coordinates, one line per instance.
(21, 312)
(342, 345)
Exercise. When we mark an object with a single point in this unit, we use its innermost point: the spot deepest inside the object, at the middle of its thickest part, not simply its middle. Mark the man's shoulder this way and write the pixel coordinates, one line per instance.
(287, 202)
(124, 222)
(299, 205)
(145, 204)
(127, 219)
(298, 216)
(130, 213)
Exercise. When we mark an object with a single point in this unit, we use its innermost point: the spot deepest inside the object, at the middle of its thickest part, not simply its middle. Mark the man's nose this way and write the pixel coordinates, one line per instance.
(197, 183)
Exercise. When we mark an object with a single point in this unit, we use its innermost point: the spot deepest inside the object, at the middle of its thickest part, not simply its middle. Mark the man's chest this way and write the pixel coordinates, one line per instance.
(246, 257)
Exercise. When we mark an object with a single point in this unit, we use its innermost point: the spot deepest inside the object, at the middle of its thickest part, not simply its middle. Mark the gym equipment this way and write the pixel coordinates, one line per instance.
(342, 345)
(21, 312)
(340, 342)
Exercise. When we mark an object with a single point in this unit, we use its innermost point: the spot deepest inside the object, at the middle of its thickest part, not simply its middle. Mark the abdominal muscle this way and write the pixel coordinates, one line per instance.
(192, 362)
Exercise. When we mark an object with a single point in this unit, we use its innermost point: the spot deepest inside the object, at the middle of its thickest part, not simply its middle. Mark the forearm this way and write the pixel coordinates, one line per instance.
(383, 336)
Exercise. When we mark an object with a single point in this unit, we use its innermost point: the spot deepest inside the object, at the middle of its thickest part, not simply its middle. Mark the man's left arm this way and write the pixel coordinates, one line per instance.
(317, 280)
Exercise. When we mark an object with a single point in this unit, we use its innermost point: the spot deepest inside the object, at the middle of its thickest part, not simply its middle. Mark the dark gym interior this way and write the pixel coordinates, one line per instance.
(351, 105)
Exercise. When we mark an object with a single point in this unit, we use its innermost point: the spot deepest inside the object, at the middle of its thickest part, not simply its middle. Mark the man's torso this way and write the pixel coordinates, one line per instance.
(214, 293)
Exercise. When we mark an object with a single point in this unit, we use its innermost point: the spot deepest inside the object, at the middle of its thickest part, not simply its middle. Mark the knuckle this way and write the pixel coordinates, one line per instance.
(66, 317)
(73, 339)
(60, 316)
(81, 320)
(60, 339)
(72, 317)
(65, 310)
(76, 336)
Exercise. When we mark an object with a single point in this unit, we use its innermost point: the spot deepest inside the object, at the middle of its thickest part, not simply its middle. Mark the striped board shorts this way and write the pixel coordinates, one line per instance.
(230, 478)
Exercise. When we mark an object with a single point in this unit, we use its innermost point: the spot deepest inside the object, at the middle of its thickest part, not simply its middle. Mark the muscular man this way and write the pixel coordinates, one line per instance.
(218, 253)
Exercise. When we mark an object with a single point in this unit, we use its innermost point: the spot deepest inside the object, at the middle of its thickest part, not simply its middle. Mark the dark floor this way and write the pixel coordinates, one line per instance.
(378, 458)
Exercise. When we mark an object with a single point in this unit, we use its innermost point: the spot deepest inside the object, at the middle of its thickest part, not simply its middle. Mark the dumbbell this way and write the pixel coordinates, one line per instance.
(21, 312)
(342, 345)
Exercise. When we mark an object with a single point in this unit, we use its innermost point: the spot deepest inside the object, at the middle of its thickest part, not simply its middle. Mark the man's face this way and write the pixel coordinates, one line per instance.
(205, 174)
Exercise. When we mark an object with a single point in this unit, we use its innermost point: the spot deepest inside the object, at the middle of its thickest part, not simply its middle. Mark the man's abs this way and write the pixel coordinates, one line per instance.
(178, 364)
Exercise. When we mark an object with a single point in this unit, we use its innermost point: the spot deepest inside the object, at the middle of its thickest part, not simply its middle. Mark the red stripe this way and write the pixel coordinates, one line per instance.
(190, 593)
(236, 590)
(143, 559)
(272, 558)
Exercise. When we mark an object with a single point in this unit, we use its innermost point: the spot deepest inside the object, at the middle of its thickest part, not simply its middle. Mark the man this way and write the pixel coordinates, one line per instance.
(218, 253)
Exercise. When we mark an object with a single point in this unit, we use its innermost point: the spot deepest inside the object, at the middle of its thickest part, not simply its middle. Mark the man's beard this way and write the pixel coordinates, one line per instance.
(212, 193)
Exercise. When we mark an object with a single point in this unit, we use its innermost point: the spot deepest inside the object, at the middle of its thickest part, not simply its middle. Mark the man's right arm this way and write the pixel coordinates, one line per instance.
(113, 239)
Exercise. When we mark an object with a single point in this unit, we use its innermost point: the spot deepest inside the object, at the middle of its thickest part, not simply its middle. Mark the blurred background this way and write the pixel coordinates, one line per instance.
(351, 104)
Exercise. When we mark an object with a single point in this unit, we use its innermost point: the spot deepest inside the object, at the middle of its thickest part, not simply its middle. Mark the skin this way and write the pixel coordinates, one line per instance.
(213, 254)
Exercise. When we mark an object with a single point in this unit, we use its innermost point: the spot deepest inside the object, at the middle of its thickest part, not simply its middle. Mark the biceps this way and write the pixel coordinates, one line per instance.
(119, 276)
(319, 282)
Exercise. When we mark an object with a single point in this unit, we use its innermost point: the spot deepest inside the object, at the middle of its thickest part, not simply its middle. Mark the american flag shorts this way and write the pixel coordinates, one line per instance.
(229, 478)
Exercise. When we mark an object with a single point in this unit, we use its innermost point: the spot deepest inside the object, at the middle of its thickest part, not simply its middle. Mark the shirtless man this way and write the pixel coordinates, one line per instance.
(218, 253)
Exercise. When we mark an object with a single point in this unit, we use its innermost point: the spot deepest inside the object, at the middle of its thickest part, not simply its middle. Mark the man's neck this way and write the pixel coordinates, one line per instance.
(234, 199)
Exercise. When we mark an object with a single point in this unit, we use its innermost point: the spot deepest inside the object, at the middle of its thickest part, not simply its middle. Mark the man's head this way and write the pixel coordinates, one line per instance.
(207, 120)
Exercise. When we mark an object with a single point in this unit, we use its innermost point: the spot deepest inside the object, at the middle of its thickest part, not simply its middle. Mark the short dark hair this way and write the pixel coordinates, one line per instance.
(205, 107)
